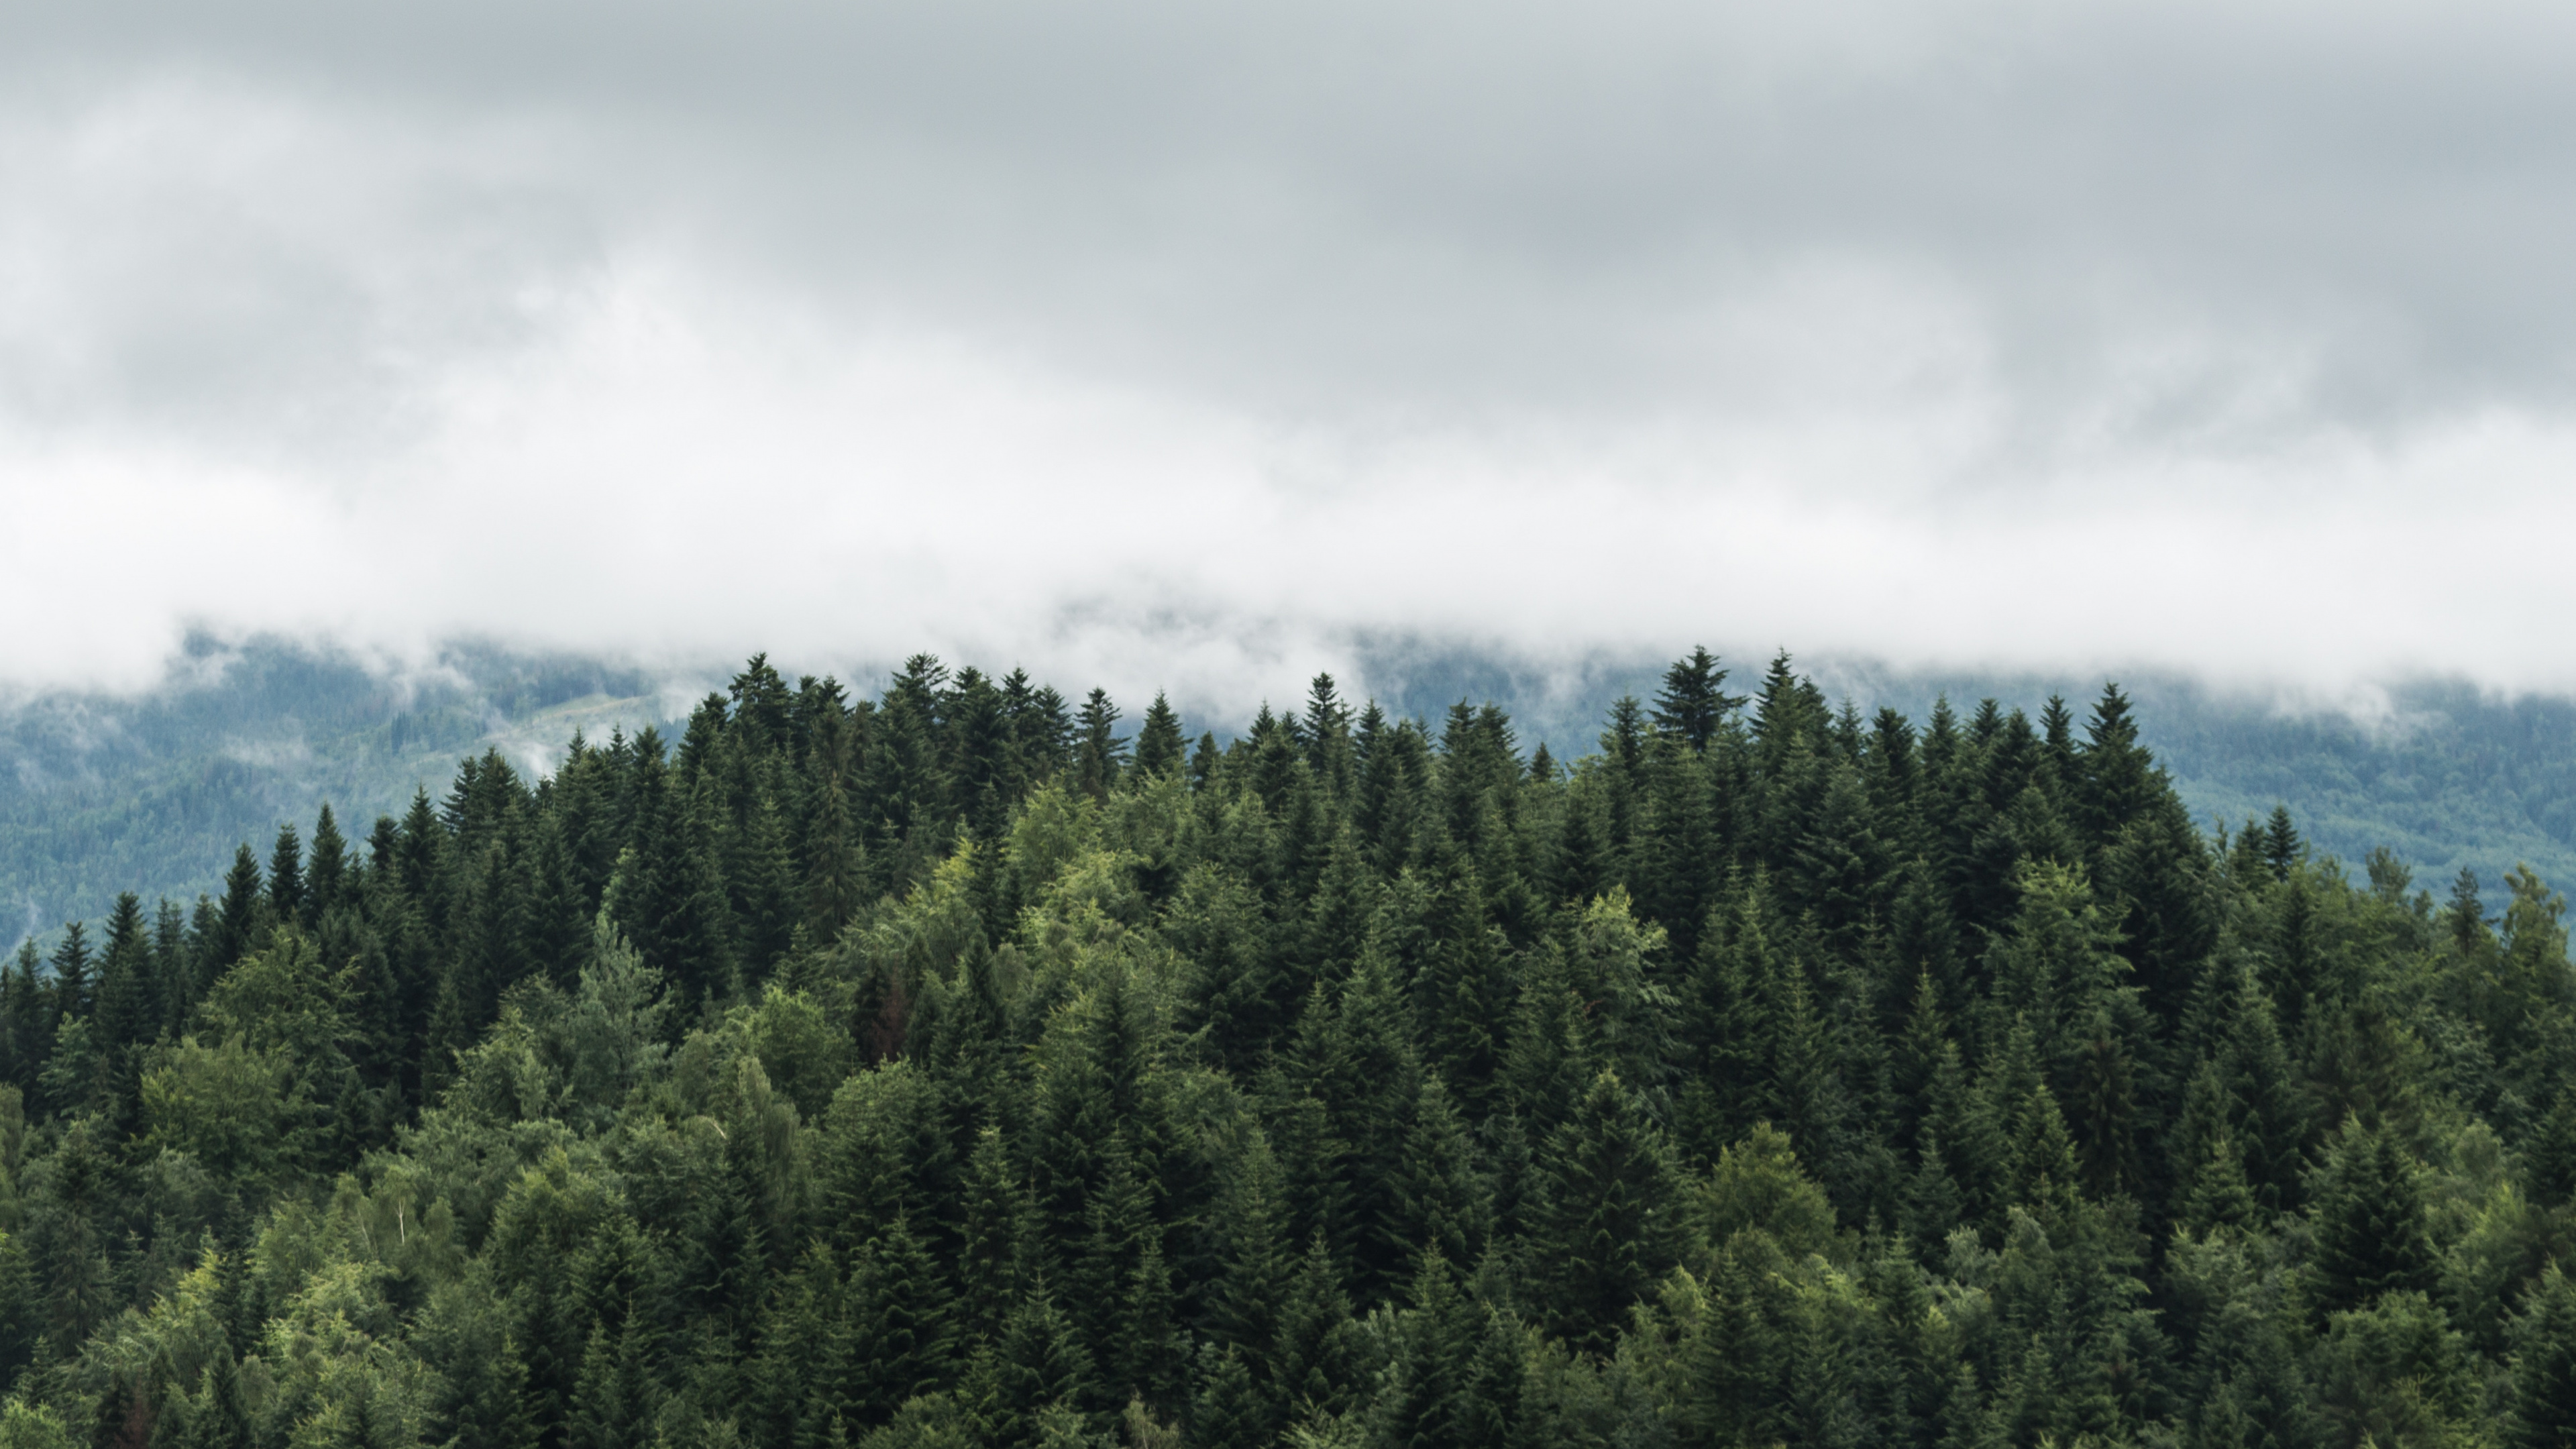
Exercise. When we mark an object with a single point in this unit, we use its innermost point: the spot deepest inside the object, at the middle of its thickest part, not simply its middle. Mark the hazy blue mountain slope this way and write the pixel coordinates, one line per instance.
(152, 793)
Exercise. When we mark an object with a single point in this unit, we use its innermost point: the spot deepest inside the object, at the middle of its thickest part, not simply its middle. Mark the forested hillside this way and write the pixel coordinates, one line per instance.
(968, 1066)
(103, 793)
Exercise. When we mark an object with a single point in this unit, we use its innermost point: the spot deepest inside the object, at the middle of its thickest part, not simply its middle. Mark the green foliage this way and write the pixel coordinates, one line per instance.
(936, 1070)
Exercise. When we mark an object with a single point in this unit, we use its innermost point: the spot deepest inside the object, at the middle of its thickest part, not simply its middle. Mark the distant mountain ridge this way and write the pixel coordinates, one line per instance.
(153, 792)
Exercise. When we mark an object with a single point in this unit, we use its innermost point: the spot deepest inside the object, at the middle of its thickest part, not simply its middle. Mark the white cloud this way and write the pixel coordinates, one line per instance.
(1178, 351)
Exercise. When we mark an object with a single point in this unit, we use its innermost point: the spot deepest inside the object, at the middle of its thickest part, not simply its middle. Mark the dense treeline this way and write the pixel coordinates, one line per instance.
(950, 1068)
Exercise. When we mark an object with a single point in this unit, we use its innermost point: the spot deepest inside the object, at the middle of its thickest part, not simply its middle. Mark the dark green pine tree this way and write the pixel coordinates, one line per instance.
(2256, 1086)
(1459, 996)
(1229, 1410)
(1676, 873)
(668, 895)
(1457, 1375)
(1395, 784)
(1602, 1208)
(1037, 1364)
(1623, 772)
(123, 1002)
(2159, 866)
(1735, 1019)
(213, 1417)
(22, 1018)
(1326, 729)
(905, 796)
(1840, 868)
(419, 862)
(1043, 725)
(2216, 1195)
(2105, 1116)
(1357, 1064)
(1100, 753)
(2549, 1158)
(1313, 1357)
(326, 874)
(993, 1216)
(1251, 1247)
(2543, 1337)
(286, 877)
(490, 956)
(71, 986)
(2373, 1233)
(1160, 749)
(835, 862)
(1437, 1200)
(1790, 711)
(1693, 702)
(2280, 843)
(617, 1388)
(982, 757)
(797, 1378)
(2116, 781)
(898, 1313)
(560, 921)
(241, 918)
(762, 890)
(126, 1014)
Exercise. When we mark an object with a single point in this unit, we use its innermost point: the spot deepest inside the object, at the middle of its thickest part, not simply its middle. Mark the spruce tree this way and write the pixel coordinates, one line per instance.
(1692, 702)
(286, 876)
(1603, 1205)
(327, 873)
(241, 916)
(2280, 843)
(1038, 1364)
(1159, 746)
(2543, 1336)
(71, 985)
(2373, 1236)
(1100, 753)
(1326, 728)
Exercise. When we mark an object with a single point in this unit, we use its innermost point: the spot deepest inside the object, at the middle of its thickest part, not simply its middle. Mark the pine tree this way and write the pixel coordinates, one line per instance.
(1437, 1200)
(1101, 753)
(1312, 1357)
(1456, 1377)
(126, 1012)
(286, 876)
(2372, 1232)
(1603, 1205)
(2215, 1195)
(71, 985)
(2280, 843)
(1326, 728)
(835, 864)
(22, 1017)
(1036, 1365)
(241, 915)
(1692, 702)
(2544, 1364)
(327, 874)
(1159, 746)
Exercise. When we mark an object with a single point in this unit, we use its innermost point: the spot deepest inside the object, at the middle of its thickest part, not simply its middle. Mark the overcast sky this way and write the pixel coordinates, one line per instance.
(1196, 345)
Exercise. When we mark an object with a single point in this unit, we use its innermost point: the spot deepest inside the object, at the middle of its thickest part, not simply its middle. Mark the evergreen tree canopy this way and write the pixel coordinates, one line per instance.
(935, 1069)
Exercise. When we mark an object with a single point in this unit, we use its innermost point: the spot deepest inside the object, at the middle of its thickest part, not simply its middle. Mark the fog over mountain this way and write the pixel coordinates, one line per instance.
(1166, 344)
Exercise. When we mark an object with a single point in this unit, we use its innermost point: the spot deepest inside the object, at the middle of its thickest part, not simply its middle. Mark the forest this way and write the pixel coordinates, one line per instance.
(968, 1065)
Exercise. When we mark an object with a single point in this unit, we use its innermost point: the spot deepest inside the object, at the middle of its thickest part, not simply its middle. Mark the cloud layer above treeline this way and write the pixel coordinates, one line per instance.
(1194, 345)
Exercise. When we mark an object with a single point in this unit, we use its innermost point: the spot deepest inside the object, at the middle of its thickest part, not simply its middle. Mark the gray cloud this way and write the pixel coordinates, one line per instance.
(1190, 344)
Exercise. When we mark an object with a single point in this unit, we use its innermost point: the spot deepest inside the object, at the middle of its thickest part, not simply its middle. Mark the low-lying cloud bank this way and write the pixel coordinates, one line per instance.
(1169, 350)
